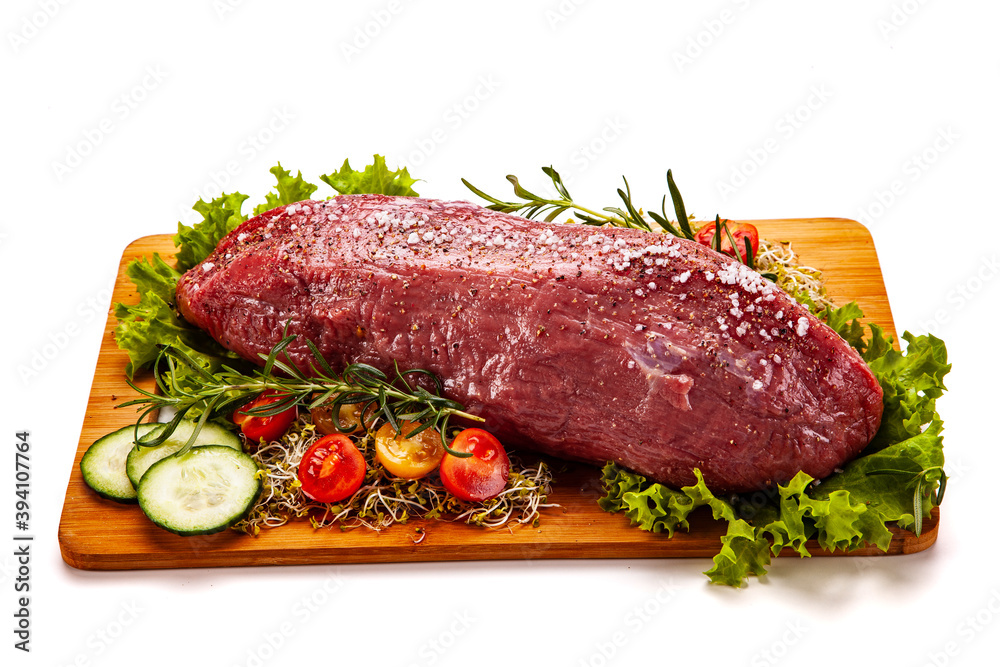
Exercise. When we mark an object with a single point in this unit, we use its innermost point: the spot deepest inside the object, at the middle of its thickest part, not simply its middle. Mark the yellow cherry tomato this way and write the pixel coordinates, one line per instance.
(409, 458)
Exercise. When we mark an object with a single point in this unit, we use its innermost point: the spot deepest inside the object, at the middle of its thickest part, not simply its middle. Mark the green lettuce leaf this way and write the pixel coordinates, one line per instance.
(837, 520)
(655, 507)
(887, 480)
(142, 328)
(878, 345)
(652, 507)
(911, 383)
(658, 508)
(377, 178)
(791, 529)
(290, 189)
(844, 321)
(219, 217)
(744, 552)
(154, 322)
(806, 300)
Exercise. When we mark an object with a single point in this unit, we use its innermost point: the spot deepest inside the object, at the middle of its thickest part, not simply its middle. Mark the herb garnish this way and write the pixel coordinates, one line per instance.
(632, 216)
(186, 386)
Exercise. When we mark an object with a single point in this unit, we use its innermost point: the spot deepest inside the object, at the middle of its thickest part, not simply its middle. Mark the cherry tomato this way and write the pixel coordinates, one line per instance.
(349, 419)
(739, 231)
(258, 428)
(332, 469)
(481, 476)
(409, 458)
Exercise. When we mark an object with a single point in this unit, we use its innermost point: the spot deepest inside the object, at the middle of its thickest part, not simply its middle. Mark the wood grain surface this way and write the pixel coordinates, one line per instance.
(98, 534)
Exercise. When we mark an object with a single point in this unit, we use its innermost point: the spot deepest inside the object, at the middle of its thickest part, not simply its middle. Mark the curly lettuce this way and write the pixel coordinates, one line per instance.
(289, 190)
(219, 217)
(375, 178)
(153, 322)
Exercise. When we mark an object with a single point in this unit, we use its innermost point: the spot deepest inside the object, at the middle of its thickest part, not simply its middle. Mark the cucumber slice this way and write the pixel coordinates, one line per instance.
(103, 465)
(203, 491)
(141, 458)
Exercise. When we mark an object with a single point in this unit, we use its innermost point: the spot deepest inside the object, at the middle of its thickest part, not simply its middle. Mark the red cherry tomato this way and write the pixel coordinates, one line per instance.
(740, 231)
(258, 428)
(332, 469)
(478, 477)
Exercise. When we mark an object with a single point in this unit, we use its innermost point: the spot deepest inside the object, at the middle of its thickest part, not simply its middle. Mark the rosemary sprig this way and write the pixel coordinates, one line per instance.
(531, 206)
(185, 386)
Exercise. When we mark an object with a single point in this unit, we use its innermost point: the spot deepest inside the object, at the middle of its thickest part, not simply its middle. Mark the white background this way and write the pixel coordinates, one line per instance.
(801, 109)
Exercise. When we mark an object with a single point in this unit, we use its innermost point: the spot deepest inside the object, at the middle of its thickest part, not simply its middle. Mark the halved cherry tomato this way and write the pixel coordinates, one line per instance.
(332, 469)
(258, 428)
(349, 418)
(478, 477)
(739, 231)
(409, 458)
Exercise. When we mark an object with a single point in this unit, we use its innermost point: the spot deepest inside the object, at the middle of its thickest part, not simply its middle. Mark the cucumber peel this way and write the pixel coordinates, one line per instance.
(103, 465)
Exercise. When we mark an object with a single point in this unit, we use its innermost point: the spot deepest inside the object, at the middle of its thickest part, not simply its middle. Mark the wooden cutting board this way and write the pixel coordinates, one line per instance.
(97, 534)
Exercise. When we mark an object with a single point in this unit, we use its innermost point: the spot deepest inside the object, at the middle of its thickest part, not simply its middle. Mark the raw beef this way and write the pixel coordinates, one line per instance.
(592, 344)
